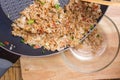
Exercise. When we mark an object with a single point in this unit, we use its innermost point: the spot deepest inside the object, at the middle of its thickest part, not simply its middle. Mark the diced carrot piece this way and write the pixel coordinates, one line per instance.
(36, 47)
(6, 43)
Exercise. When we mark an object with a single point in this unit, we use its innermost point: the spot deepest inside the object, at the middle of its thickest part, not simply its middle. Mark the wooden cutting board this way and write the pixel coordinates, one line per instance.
(54, 68)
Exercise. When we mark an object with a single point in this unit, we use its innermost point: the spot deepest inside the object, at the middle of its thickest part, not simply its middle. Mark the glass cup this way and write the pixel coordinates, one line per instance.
(84, 60)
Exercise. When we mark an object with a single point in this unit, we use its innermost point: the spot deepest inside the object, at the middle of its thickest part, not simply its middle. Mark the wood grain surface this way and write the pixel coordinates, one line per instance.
(103, 2)
(14, 73)
(54, 68)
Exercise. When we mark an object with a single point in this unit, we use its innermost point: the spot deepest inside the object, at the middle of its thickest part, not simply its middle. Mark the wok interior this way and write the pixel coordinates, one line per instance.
(22, 49)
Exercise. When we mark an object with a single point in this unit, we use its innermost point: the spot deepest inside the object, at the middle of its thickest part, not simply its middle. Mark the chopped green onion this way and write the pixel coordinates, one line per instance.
(32, 46)
(57, 6)
(72, 37)
(42, 2)
(31, 21)
(58, 22)
(43, 51)
(1, 44)
(22, 41)
(91, 27)
(84, 33)
(97, 35)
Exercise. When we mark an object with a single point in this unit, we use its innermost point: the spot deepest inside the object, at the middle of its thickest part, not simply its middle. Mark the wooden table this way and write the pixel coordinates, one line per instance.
(14, 73)
(54, 68)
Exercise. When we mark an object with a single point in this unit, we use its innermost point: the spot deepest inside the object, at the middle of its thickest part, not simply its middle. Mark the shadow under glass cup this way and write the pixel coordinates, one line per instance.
(83, 60)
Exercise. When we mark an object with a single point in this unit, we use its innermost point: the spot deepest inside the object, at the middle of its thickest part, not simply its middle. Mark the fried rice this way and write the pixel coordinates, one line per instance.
(45, 23)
